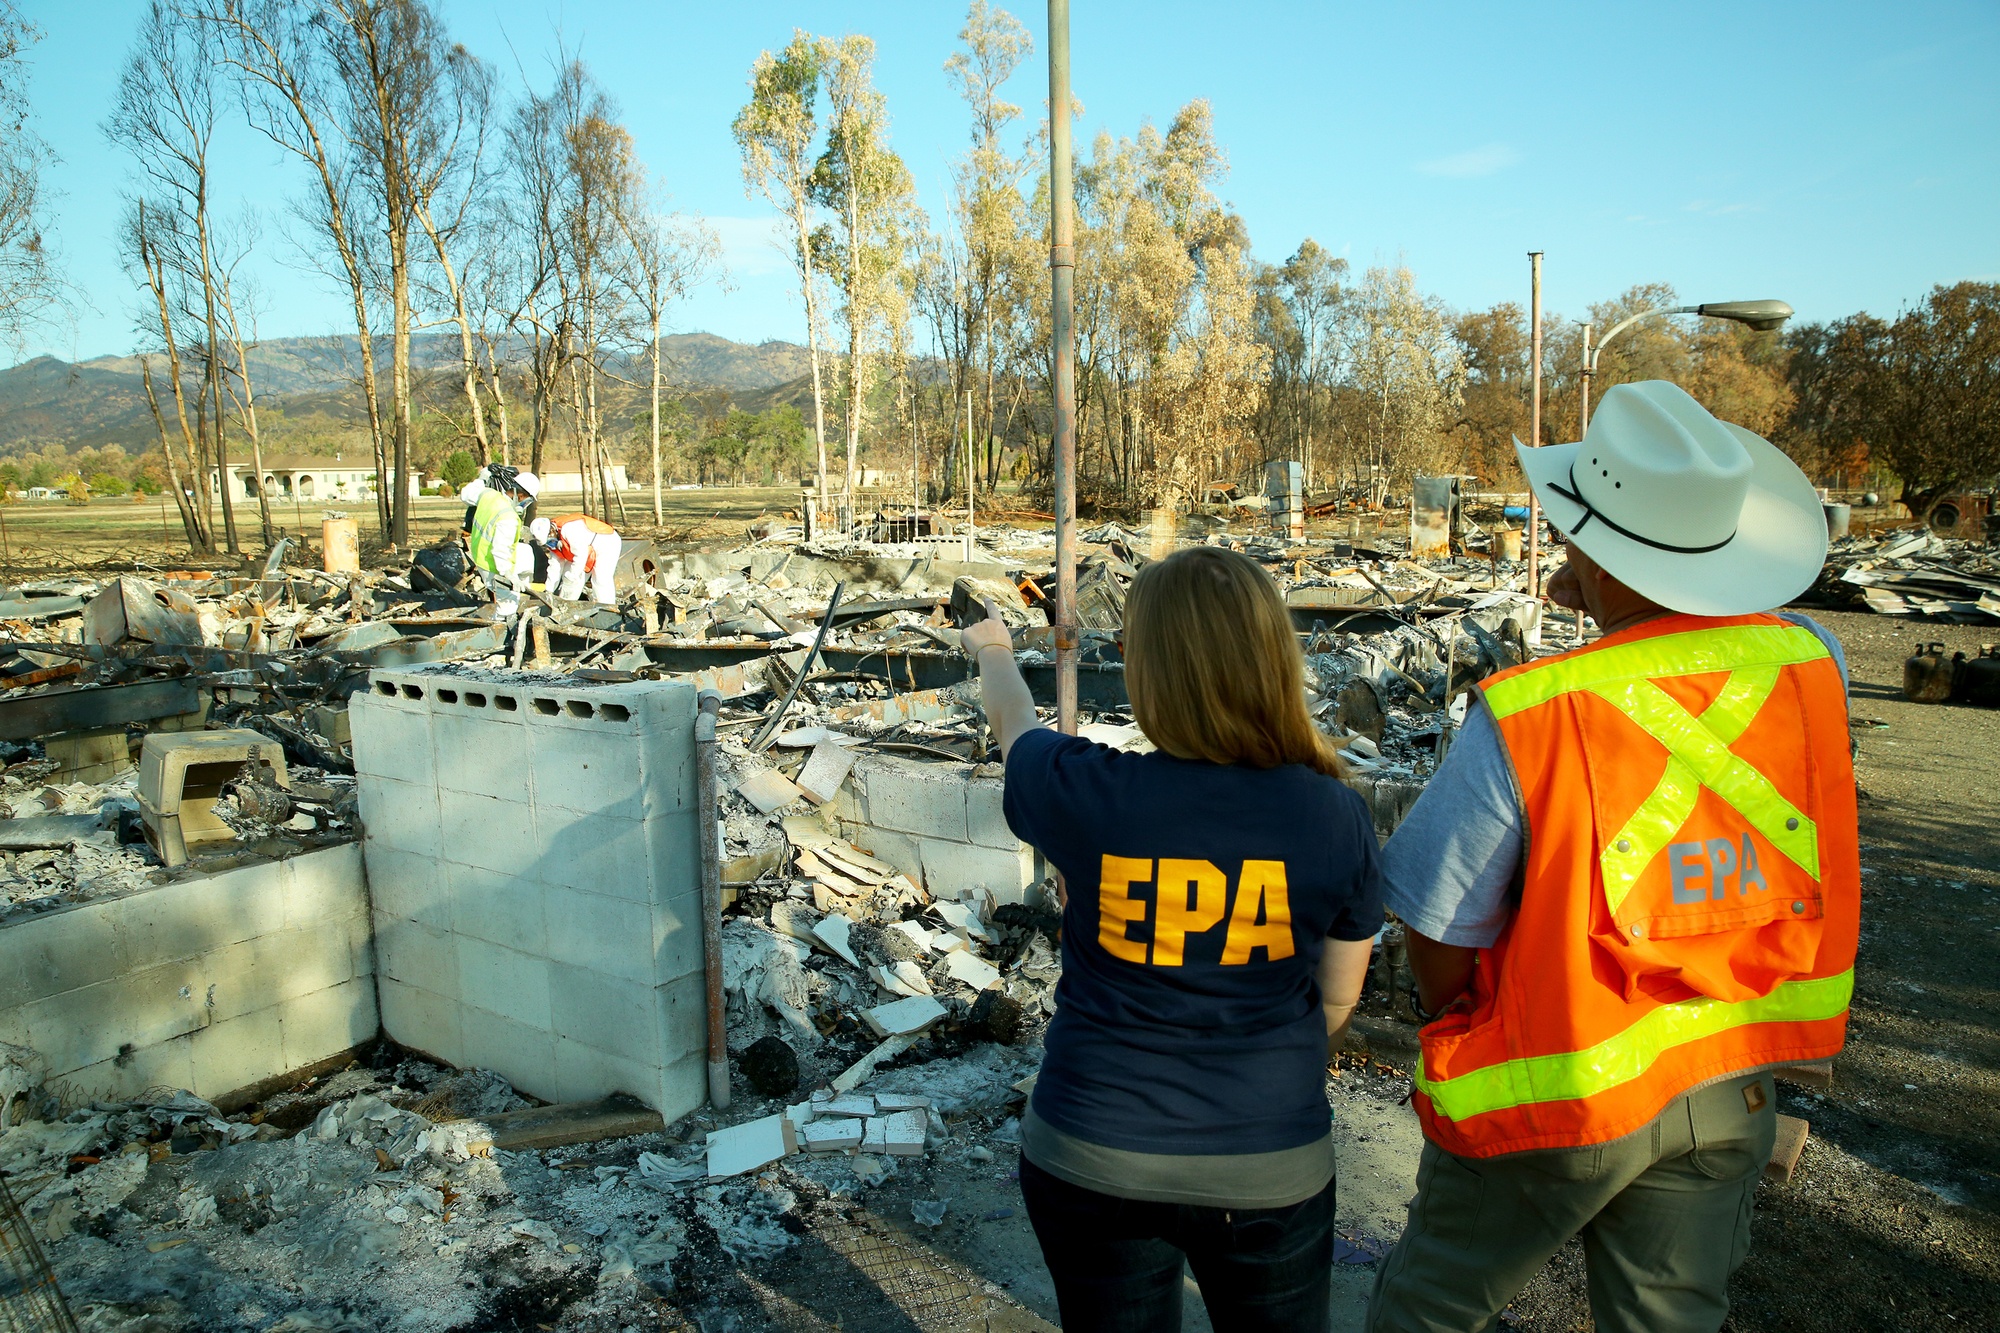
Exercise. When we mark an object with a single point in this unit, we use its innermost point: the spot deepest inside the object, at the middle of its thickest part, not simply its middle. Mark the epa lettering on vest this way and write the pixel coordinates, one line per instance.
(1191, 898)
(1702, 870)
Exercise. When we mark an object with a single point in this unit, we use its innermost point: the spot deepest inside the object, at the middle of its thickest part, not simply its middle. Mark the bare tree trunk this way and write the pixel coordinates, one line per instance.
(855, 318)
(199, 533)
(190, 521)
(800, 220)
(213, 370)
(498, 390)
(249, 413)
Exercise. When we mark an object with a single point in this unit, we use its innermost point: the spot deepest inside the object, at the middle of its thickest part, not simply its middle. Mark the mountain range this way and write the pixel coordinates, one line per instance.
(86, 404)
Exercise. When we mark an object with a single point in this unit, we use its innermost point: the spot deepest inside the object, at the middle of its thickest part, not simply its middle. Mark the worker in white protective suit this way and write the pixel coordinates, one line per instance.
(581, 547)
(503, 559)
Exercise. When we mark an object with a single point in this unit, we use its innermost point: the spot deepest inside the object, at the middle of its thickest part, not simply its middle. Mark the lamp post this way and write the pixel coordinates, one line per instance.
(1762, 316)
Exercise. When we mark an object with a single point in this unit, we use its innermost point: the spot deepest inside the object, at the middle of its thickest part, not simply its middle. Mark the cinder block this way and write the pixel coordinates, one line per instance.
(584, 1073)
(361, 944)
(166, 1065)
(674, 854)
(985, 821)
(407, 884)
(928, 800)
(961, 871)
(901, 850)
(416, 954)
(191, 917)
(683, 1086)
(523, 1055)
(601, 853)
(614, 1015)
(402, 815)
(240, 979)
(63, 951)
(482, 831)
(236, 1053)
(392, 735)
(503, 981)
(677, 937)
(850, 802)
(326, 885)
(327, 1022)
(610, 935)
(421, 1020)
(484, 755)
(683, 1017)
(497, 907)
(99, 755)
(82, 1027)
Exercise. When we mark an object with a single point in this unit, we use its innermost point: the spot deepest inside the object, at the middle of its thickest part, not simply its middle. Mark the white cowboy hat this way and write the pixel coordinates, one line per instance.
(1699, 515)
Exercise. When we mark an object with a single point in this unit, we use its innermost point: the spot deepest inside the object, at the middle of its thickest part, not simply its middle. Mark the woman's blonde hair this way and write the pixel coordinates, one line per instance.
(1213, 666)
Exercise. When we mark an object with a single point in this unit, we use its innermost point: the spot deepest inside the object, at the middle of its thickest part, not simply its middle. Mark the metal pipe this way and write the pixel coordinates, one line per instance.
(1534, 417)
(1062, 274)
(970, 483)
(769, 731)
(709, 704)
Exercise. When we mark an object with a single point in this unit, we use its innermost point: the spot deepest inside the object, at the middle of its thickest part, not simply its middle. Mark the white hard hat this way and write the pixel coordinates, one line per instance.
(540, 527)
(529, 482)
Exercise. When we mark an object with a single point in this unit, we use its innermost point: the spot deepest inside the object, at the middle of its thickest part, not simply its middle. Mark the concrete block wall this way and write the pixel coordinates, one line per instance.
(535, 873)
(208, 982)
(941, 825)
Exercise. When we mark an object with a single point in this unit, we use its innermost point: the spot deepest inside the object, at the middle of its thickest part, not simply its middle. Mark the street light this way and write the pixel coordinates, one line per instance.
(1762, 316)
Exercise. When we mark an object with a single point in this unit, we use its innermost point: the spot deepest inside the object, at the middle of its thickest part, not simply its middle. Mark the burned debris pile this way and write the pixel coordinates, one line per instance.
(1913, 573)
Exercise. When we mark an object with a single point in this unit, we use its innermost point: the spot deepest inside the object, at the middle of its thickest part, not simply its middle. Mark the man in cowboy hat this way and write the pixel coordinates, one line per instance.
(1631, 892)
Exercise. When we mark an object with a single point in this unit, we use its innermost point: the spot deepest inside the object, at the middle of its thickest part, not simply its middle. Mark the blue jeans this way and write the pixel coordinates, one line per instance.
(1117, 1262)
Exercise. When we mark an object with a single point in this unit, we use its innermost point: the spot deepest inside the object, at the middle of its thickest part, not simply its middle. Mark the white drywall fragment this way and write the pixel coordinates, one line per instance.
(831, 1135)
(916, 933)
(900, 1101)
(853, 1105)
(749, 1146)
(863, 1069)
(832, 932)
(971, 969)
(960, 917)
(825, 771)
(768, 790)
(901, 978)
(899, 1016)
(875, 1137)
(903, 1133)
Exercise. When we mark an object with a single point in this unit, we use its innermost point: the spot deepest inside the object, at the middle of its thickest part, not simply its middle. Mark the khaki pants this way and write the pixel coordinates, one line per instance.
(1664, 1214)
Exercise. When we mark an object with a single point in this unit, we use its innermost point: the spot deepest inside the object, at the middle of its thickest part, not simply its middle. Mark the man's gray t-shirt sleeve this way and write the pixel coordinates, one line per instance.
(1449, 868)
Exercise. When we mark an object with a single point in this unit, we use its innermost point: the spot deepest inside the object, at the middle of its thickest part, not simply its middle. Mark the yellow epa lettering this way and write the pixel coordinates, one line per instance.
(1190, 898)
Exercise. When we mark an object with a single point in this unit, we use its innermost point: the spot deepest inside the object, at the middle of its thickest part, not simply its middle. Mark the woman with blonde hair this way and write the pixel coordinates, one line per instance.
(1221, 898)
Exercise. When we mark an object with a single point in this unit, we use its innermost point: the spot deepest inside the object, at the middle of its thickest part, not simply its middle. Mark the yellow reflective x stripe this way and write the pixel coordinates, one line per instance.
(1661, 815)
(1693, 653)
(1735, 780)
(1620, 1059)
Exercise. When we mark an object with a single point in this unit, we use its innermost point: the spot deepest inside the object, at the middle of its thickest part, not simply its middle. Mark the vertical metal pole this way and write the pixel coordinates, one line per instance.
(1062, 273)
(970, 535)
(1583, 412)
(1534, 417)
(708, 706)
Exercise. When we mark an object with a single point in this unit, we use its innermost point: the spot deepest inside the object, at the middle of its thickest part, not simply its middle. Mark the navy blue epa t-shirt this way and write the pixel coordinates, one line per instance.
(1188, 1016)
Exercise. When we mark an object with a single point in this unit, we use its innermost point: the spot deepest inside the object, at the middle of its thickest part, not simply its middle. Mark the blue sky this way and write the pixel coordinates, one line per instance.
(1838, 156)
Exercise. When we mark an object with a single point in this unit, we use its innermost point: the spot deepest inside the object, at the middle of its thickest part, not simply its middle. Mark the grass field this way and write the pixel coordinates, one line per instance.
(46, 536)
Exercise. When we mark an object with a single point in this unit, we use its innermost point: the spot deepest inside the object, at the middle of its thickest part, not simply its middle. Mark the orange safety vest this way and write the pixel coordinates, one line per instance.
(597, 525)
(1690, 885)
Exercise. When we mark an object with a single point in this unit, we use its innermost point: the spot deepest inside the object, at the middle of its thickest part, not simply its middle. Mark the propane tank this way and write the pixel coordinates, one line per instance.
(1928, 675)
(1979, 678)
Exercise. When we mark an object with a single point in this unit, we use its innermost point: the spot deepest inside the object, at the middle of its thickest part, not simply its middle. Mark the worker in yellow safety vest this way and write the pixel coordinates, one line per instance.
(1632, 890)
(495, 542)
(580, 547)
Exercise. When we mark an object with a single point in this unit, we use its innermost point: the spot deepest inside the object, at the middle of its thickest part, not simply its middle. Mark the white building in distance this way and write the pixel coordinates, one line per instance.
(289, 477)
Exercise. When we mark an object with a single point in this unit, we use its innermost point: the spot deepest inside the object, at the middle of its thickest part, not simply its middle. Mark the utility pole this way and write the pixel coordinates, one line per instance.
(1534, 417)
(1583, 410)
(1062, 272)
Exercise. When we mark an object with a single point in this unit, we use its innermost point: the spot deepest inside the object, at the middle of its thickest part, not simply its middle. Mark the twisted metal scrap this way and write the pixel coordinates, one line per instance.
(30, 1300)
